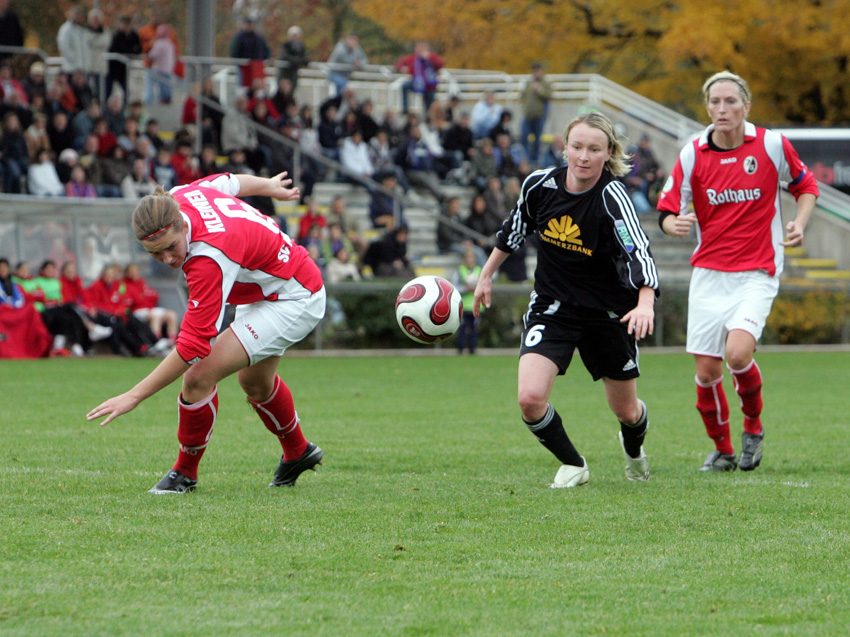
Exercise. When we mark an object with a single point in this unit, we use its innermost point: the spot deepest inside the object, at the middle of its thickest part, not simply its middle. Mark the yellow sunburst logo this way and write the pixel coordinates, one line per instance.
(564, 229)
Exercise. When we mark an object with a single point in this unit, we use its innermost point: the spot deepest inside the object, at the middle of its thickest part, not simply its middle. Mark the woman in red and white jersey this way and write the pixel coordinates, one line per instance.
(230, 254)
(731, 174)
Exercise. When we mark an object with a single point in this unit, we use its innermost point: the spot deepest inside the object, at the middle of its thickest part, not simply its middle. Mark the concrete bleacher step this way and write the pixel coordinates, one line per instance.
(823, 275)
(810, 263)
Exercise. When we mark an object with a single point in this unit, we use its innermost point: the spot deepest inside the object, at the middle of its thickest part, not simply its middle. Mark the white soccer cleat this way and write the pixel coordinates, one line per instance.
(571, 476)
(637, 469)
(99, 332)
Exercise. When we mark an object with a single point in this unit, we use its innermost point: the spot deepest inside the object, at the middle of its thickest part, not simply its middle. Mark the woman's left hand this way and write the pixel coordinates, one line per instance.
(641, 321)
(279, 188)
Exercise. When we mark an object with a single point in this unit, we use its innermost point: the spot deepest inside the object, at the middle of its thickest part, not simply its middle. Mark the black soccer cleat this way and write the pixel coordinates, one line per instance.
(174, 482)
(752, 445)
(287, 472)
(719, 462)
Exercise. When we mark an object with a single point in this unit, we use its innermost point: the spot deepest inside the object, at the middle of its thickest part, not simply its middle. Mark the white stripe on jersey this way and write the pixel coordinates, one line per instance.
(518, 227)
(630, 218)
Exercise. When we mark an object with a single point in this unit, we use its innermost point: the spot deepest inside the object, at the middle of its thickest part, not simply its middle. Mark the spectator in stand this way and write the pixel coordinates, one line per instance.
(387, 256)
(114, 169)
(424, 66)
(384, 210)
(312, 216)
(347, 56)
(107, 295)
(80, 186)
(72, 40)
(162, 171)
(83, 124)
(144, 305)
(554, 156)
(235, 129)
(329, 131)
(497, 205)
(483, 163)
(418, 162)
(459, 142)
(126, 42)
(114, 114)
(485, 115)
(11, 32)
(34, 84)
(284, 97)
(211, 113)
(382, 156)
(91, 161)
(644, 177)
(42, 178)
(335, 240)
(186, 166)
(11, 293)
(450, 239)
(365, 122)
(152, 133)
(36, 136)
(21, 324)
(136, 111)
(138, 183)
(508, 157)
(14, 155)
(483, 222)
(354, 157)
(99, 38)
(349, 224)
(535, 107)
(83, 95)
(451, 109)
(68, 158)
(208, 164)
(249, 45)
(60, 97)
(163, 59)
(340, 266)
(106, 139)
(293, 56)
(130, 135)
(9, 86)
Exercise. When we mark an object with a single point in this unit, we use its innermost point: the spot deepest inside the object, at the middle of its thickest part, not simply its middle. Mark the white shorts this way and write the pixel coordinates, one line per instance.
(268, 328)
(719, 302)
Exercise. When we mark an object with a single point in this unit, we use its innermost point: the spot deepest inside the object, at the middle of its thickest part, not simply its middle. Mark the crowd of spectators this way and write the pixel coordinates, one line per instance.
(58, 139)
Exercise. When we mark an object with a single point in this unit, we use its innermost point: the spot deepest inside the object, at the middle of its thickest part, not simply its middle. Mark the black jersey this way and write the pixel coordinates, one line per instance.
(592, 250)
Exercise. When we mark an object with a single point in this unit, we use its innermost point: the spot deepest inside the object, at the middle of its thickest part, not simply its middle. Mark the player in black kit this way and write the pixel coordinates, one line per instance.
(595, 288)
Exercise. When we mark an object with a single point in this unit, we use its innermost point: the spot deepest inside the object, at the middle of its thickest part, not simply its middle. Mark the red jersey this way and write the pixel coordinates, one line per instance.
(73, 291)
(109, 298)
(736, 197)
(237, 255)
(140, 295)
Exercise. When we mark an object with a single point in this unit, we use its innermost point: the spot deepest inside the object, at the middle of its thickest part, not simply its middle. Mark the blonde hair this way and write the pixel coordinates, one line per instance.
(727, 76)
(618, 163)
(155, 213)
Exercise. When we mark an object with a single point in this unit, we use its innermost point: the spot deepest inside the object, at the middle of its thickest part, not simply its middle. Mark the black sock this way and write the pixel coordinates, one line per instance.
(633, 435)
(549, 430)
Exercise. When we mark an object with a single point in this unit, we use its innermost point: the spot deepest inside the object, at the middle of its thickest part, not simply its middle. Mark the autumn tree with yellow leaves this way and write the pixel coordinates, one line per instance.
(794, 54)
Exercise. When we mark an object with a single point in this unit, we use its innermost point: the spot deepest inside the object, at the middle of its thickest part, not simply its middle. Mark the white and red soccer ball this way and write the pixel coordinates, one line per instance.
(429, 309)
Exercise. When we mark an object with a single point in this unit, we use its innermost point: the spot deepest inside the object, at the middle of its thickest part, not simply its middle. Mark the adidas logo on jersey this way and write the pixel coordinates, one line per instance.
(550, 183)
(630, 365)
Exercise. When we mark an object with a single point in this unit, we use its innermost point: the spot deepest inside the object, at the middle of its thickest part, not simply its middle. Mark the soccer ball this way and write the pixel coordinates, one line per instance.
(429, 309)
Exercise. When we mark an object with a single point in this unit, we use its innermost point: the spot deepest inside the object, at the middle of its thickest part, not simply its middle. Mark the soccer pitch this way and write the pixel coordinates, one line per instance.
(431, 514)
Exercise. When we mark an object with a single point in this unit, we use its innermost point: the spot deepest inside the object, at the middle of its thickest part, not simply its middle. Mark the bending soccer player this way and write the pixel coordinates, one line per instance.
(229, 253)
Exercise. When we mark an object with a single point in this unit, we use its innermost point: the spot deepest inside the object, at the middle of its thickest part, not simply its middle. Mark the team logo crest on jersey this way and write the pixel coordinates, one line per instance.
(751, 165)
(565, 234)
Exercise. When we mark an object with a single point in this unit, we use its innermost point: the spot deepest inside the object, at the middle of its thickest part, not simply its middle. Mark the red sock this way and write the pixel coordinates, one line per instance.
(279, 416)
(196, 422)
(748, 385)
(714, 409)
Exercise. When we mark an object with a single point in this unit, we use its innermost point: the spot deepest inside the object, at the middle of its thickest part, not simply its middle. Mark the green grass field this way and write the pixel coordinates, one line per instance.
(431, 514)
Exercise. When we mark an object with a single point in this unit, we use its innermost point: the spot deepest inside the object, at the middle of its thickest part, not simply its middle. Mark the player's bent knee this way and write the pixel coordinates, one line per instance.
(197, 385)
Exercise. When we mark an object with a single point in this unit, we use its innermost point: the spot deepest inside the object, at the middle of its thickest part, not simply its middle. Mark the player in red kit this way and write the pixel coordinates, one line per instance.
(731, 174)
(229, 253)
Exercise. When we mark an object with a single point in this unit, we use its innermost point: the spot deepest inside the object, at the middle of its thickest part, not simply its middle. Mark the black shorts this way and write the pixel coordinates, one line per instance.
(604, 344)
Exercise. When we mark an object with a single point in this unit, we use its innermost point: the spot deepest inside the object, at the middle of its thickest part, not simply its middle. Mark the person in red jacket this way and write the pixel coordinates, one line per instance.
(144, 304)
(423, 66)
(230, 254)
(107, 295)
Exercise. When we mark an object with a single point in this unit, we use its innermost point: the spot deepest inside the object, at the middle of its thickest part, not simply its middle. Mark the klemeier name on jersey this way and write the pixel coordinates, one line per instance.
(730, 195)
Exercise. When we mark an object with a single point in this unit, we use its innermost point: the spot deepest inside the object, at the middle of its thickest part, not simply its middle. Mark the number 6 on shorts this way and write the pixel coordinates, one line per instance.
(534, 336)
